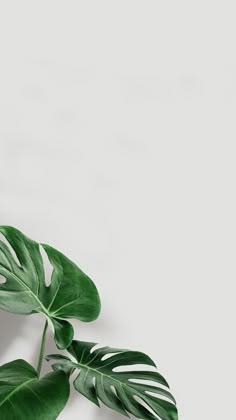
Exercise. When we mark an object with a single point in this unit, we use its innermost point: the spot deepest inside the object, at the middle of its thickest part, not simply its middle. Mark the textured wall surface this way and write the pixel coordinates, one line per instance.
(117, 146)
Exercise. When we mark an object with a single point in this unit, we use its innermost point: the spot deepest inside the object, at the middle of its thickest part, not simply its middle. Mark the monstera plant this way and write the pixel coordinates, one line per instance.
(101, 373)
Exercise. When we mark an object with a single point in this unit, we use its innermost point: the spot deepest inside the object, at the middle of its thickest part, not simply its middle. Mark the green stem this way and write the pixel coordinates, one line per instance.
(42, 348)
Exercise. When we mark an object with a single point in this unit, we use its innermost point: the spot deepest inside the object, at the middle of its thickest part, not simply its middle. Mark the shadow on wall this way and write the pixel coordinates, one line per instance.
(11, 326)
(105, 414)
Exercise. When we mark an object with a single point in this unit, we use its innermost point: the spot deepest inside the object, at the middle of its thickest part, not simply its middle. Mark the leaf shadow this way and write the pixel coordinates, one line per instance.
(106, 414)
(11, 326)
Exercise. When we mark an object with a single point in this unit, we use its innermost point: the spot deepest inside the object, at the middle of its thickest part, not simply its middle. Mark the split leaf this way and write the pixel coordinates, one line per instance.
(71, 293)
(102, 377)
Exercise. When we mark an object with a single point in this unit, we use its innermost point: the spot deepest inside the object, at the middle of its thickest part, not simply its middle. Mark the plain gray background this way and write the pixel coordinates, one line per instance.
(117, 139)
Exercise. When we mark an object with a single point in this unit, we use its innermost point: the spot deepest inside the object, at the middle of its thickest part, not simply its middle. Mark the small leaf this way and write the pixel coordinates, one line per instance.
(123, 391)
(71, 294)
(24, 396)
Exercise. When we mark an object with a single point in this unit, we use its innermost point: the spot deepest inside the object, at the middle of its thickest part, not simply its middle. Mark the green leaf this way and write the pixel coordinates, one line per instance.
(24, 396)
(123, 391)
(71, 294)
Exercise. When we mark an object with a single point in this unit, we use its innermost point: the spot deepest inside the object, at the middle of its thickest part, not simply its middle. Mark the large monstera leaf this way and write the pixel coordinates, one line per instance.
(124, 391)
(71, 294)
(24, 396)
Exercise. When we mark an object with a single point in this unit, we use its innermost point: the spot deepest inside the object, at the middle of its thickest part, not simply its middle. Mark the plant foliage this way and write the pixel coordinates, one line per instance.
(102, 374)
(24, 396)
(71, 294)
(123, 391)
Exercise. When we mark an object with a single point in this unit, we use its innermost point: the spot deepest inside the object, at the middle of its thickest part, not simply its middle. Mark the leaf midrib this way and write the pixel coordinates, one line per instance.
(18, 279)
(81, 365)
(122, 384)
(16, 390)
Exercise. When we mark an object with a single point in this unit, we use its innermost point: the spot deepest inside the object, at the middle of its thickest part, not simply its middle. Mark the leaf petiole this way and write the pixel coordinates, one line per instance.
(42, 349)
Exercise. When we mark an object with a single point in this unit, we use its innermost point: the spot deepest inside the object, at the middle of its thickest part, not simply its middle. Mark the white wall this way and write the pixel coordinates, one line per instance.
(117, 139)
